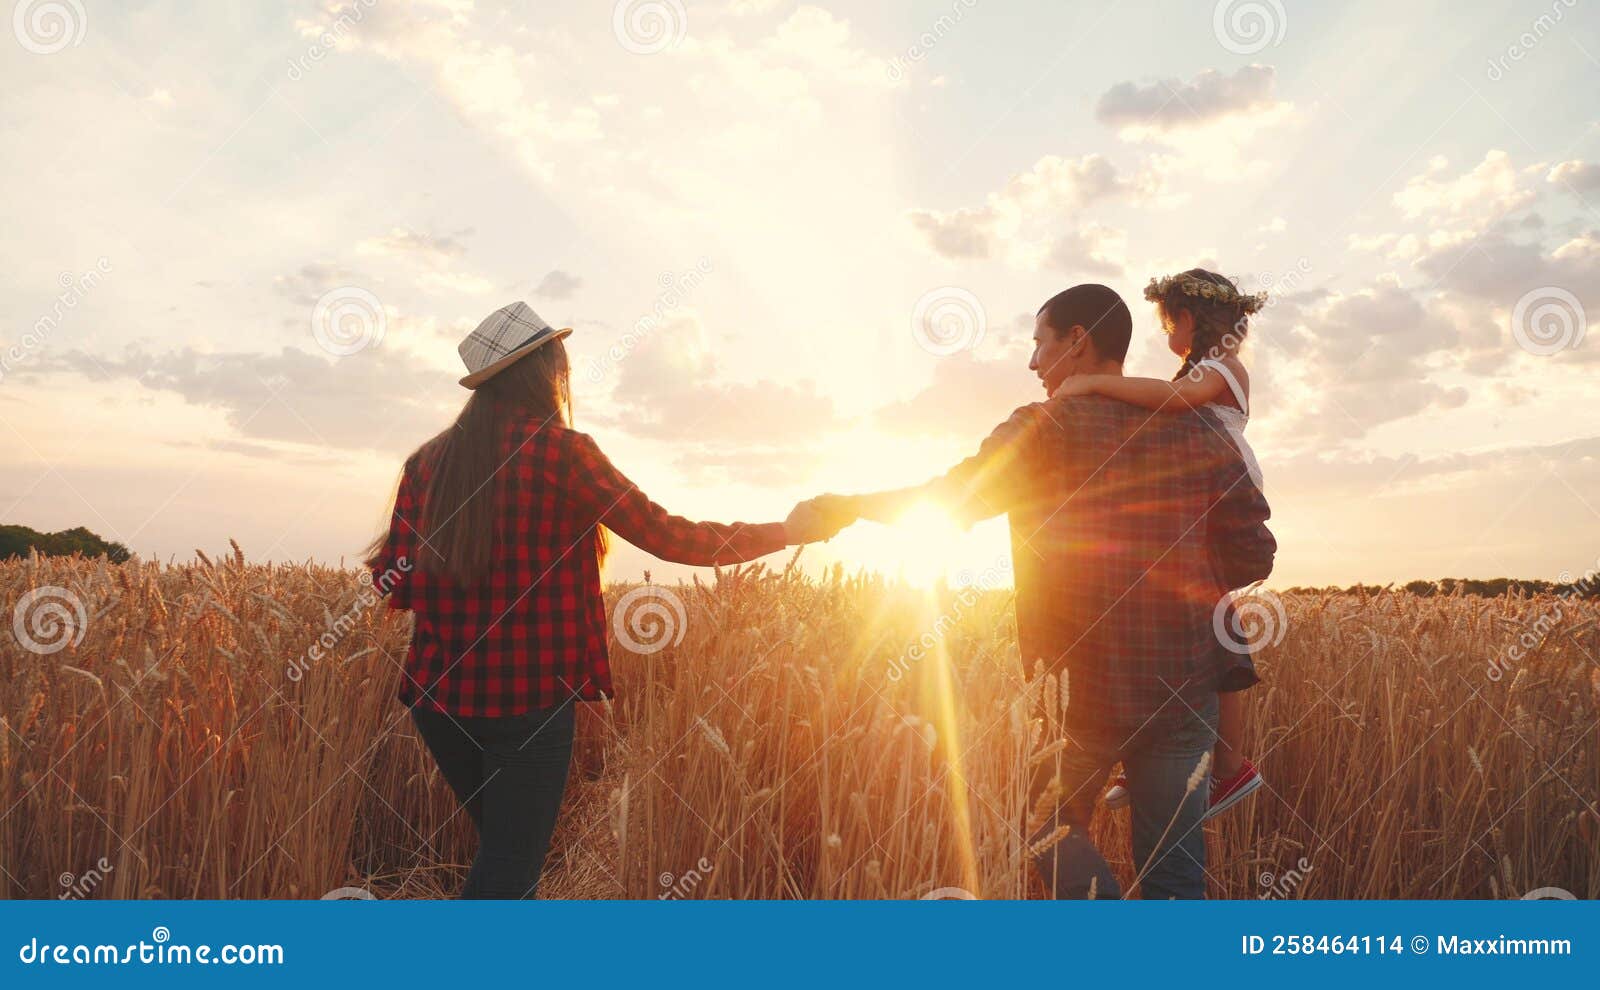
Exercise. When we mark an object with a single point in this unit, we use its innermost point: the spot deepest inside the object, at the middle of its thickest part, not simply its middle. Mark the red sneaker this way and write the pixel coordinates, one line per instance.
(1227, 793)
(1117, 795)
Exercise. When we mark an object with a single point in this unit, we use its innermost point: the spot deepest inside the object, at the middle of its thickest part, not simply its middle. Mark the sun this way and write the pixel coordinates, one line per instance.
(923, 537)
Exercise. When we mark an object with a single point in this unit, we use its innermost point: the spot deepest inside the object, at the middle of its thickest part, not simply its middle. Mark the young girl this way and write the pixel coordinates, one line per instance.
(1205, 317)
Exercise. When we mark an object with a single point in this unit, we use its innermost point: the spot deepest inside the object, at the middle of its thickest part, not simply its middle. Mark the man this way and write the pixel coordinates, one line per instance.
(1127, 527)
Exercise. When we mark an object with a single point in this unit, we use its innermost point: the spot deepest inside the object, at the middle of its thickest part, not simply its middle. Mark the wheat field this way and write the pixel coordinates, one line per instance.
(187, 741)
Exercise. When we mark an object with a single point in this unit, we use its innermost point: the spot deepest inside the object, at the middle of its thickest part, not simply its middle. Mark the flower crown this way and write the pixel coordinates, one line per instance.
(1191, 285)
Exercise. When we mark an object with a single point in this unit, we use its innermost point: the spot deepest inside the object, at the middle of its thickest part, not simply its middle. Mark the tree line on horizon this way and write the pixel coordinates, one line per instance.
(1478, 587)
(20, 541)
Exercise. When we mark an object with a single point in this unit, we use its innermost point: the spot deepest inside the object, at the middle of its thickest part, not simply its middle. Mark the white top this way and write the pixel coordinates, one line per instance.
(1235, 420)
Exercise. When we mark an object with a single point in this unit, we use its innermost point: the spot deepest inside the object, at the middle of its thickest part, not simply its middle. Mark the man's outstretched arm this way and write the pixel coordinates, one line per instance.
(985, 484)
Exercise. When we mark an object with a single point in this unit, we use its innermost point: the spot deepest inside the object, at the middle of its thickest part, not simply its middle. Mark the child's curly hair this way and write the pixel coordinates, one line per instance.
(1221, 312)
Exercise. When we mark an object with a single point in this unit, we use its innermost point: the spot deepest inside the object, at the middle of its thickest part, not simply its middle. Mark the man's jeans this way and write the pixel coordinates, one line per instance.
(509, 774)
(1169, 844)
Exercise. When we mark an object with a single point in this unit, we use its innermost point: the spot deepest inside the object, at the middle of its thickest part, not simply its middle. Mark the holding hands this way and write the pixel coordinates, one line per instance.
(821, 518)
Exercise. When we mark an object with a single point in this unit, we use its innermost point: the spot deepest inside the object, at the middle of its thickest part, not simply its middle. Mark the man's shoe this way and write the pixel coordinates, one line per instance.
(1227, 793)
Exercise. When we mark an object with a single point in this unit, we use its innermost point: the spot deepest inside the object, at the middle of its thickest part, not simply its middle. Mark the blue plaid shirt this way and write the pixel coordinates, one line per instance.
(1127, 528)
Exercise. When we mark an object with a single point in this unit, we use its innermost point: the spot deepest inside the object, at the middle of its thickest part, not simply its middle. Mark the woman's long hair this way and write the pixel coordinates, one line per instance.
(457, 524)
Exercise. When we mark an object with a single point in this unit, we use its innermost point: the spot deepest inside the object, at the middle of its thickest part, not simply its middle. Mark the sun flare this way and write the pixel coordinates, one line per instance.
(924, 535)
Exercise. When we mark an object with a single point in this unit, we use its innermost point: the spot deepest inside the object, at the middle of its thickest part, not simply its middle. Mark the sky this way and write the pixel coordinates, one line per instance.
(801, 246)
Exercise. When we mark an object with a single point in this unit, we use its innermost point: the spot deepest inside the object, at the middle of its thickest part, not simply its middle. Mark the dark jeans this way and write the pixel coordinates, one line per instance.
(509, 774)
(1169, 844)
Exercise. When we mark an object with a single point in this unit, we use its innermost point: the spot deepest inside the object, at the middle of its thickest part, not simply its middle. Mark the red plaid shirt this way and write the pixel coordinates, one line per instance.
(532, 633)
(1127, 527)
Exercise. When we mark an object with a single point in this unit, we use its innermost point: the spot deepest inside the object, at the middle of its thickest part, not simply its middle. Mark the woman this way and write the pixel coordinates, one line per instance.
(497, 537)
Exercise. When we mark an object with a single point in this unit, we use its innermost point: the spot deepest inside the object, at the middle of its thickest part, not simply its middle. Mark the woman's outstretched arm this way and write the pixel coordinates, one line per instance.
(606, 497)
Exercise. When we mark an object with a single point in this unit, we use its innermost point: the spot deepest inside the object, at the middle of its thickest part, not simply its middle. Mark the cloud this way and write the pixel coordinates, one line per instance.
(312, 281)
(403, 242)
(757, 90)
(761, 466)
(669, 388)
(1497, 271)
(966, 398)
(1030, 220)
(1363, 359)
(1576, 175)
(1344, 475)
(1209, 125)
(378, 399)
(1172, 104)
(963, 233)
(1479, 197)
(456, 282)
(1093, 249)
(558, 284)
